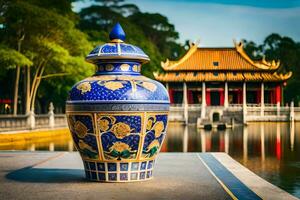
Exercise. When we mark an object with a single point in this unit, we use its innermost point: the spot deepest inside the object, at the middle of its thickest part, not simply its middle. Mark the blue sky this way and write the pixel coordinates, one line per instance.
(218, 22)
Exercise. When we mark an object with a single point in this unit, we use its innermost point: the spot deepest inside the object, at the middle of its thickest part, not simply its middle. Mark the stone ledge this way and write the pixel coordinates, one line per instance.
(60, 175)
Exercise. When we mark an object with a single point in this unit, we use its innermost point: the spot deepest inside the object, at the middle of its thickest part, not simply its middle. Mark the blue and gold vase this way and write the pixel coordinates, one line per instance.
(118, 118)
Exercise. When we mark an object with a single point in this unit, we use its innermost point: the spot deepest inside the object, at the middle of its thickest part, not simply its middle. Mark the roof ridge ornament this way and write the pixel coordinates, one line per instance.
(196, 43)
(172, 64)
(239, 47)
(117, 33)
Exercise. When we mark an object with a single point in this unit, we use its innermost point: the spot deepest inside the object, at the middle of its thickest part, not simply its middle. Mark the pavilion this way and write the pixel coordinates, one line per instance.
(223, 77)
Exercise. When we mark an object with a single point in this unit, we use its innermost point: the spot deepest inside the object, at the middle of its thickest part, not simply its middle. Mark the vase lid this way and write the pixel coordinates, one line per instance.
(117, 49)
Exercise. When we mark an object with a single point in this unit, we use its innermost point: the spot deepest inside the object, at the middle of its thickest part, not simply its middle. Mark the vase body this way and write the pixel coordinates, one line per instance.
(118, 121)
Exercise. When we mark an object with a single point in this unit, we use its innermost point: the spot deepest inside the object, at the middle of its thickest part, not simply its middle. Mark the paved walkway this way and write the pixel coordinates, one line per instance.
(60, 175)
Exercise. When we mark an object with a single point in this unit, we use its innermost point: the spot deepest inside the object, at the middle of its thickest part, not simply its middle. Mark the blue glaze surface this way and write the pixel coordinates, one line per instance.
(117, 32)
(125, 90)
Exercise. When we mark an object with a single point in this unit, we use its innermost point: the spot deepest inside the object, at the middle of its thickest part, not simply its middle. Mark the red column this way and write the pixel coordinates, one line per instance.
(171, 91)
(221, 92)
(278, 93)
(190, 97)
(208, 97)
(258, 96)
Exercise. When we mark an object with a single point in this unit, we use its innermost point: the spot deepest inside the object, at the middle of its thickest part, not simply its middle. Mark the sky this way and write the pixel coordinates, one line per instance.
(217, 22)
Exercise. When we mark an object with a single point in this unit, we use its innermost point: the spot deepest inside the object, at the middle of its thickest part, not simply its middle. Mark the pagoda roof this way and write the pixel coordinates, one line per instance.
(222, 76)
(218, 59)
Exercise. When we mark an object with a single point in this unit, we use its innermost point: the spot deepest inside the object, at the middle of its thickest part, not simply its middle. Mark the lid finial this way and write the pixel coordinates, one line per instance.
(117, 34)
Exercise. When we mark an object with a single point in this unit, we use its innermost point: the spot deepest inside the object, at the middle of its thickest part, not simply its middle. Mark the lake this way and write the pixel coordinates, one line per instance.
(271, 150)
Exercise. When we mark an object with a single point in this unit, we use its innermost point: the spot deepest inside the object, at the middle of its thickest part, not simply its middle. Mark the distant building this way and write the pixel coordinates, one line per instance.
(222, 77)
(223, 72)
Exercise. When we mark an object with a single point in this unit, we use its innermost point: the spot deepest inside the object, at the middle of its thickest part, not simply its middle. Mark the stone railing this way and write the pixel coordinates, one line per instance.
(254, 112)
(32, 121)
(24, 122)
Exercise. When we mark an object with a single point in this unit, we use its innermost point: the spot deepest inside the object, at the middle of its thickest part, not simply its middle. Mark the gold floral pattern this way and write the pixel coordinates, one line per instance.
(135, 68)
(112, 82)
(103, 124)
(158, 128)
(113, 85)
(87, 151)
(80, 129)
(124, 67)
(149, 124)
(149, 86)
(120, 147)
(109, 67)
(153, 144)
(84, 87)
(121, 130)
(82, 145)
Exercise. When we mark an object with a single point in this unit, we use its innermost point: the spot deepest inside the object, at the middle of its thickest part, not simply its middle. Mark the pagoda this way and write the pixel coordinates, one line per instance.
(222, 77)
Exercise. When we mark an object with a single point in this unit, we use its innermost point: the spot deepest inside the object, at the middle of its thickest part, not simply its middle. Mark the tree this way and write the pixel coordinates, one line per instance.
(49, 43)
(50, 40)
(285, 49)
(152, 32)
(157, 28)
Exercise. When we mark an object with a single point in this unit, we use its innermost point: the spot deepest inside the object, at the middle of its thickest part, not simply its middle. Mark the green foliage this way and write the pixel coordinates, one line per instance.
(285, 49)
(10, 58)
(43, 34)
(152, 32)
(49, 35)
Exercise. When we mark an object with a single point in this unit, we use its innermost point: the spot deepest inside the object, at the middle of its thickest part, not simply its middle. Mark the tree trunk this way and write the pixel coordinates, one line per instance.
(16, 90)
(27, 109)
(36, 75)
(35, 87)
(15, 112)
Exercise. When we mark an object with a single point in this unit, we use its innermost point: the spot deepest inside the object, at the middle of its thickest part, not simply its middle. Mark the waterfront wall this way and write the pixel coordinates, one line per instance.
(240, 114)
(191, 114)
(27, 122)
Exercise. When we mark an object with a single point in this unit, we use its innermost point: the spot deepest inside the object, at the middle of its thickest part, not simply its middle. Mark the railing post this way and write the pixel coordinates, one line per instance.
(226, 95)
(31, 119)
(244, 103)
(278, 109)
(185, 103)
(292, 112)
(203, 103)
(262, 99)
(51, 115)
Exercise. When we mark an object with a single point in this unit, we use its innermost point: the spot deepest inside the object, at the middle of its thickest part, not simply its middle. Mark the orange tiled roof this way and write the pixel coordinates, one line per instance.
(222, 76)
(218, 59)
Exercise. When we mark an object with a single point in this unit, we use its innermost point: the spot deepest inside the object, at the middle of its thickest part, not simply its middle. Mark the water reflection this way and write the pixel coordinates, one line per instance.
(271, 150)
(50, 141)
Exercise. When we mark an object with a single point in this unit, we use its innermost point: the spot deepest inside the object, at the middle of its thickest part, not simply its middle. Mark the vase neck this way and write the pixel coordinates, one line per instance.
(119, 67)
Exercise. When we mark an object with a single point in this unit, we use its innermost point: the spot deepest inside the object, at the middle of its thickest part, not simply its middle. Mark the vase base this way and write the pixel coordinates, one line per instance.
(119, 171)
(119, 181)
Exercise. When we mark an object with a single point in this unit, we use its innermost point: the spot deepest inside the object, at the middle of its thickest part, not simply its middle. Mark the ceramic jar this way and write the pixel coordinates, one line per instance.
(118, 118)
